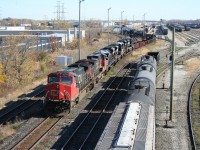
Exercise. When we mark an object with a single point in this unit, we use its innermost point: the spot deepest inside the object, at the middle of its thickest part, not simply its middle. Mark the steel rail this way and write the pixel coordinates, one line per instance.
(16, 110)
(67, 142)
(190, 113)
(30, 136)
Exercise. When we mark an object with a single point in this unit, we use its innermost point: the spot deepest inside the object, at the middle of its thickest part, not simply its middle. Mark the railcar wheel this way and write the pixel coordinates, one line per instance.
(76, 100)
(70, 106)
(87, 89)
(97, 81)
(58, 109)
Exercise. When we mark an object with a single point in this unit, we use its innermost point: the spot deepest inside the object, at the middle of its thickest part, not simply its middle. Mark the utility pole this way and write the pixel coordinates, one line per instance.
(144, 18)
(172, 76)
(79, 30)
(144, 26)
(108, 27)
(199, 98)
(121, 22)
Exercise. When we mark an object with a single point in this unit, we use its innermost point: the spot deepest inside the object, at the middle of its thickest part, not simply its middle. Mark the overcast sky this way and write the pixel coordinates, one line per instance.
(97, 9)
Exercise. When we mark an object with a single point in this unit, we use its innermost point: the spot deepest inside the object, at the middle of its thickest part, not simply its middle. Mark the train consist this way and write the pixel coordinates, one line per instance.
(132, 125)
(192, 25)
(65, 86)
(178, 27)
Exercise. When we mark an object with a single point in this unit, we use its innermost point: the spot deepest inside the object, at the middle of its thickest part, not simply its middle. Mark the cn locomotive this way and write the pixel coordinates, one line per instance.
(65, 86)
(132, 125)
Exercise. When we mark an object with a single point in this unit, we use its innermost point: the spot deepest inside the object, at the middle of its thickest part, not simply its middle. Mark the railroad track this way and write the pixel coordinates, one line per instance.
(186, 56)
(195, 33)
(15, 111)
(37, 134)
(192, 137)
(183, 39)
(86, 134)
(34, 137)
(195, 36)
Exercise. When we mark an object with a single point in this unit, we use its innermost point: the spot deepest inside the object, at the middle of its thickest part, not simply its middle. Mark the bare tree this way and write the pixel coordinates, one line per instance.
(54, 44)
(16, 59)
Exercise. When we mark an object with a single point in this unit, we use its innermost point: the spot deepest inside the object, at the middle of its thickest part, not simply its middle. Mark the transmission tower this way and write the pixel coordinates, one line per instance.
(58, 10)
(0, 12)
(63, 11)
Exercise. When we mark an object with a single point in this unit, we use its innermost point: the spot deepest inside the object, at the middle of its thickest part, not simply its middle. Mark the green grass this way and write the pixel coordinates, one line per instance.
(196, 112)
(16, 124)
(178, 49)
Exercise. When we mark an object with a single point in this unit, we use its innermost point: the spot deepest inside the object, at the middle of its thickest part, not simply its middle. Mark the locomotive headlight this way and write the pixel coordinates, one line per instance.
(57, 86)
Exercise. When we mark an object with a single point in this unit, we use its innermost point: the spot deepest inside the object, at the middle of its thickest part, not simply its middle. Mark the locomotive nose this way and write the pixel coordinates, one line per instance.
(52, 91)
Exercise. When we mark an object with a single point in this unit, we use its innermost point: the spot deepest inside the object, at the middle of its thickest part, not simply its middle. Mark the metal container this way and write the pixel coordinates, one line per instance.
(69, 60)
(61, 60)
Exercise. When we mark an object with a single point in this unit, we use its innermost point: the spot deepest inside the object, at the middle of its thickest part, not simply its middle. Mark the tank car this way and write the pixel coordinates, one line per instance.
(132, 125)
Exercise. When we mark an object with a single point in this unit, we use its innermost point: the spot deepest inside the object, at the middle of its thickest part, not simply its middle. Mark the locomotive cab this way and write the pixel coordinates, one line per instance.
(60, 87)
(61, 90)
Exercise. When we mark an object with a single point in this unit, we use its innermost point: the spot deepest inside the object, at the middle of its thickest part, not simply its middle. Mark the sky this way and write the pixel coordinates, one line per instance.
(98, 9)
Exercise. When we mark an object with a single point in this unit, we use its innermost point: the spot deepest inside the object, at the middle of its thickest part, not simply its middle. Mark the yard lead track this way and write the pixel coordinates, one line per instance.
(186, 56)
(97, 116)
(18, 109)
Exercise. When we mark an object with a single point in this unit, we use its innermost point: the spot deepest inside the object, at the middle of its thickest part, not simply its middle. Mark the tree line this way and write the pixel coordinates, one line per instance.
(19, 63)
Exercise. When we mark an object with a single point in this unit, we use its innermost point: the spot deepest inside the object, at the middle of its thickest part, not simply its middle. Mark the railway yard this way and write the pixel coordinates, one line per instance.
(84, 127)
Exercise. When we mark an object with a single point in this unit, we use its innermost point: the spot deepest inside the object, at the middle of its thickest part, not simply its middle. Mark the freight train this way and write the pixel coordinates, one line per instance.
(64, 87)
(178, 27)
(164, 30)
(132, 125)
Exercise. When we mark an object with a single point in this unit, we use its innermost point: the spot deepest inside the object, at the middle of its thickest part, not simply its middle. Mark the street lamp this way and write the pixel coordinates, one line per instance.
(108, 27)
(79, 28)
(121, 22)
(144, 25)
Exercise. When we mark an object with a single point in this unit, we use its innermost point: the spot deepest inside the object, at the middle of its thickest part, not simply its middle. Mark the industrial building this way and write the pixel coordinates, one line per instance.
(61, 36)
